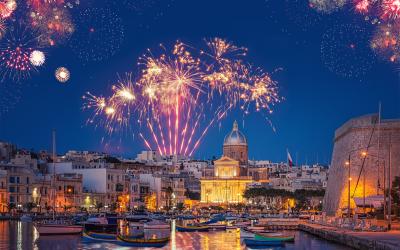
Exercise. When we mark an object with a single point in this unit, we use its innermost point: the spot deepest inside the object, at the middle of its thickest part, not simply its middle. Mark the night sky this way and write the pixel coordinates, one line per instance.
(284, 37)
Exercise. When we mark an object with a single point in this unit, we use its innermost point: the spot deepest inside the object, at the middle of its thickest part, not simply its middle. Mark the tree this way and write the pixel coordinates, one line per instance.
(169, 191)
(29, 206)
(11, 207)
(113, 206)
(180, 206)
(99, 206)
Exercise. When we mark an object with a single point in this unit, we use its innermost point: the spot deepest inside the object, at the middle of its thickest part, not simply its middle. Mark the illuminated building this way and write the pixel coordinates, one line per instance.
(228, 183)
(371, 148)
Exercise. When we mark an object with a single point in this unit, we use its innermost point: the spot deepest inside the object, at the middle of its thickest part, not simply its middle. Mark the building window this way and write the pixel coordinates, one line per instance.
(27, 190)
(17, 179)
(59, 188)
(11, 189)
(27, 180)
(12, 179)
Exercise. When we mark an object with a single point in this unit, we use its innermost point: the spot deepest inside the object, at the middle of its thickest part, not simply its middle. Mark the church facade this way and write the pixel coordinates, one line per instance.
(229, 181)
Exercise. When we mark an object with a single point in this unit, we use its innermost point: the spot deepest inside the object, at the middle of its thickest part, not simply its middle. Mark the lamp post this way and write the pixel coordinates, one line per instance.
(349, 183)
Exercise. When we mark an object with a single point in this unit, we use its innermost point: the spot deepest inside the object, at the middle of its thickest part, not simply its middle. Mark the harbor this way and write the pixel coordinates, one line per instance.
(19, 235)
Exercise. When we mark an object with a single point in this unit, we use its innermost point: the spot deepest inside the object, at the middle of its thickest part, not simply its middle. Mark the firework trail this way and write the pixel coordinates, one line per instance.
(180, 94)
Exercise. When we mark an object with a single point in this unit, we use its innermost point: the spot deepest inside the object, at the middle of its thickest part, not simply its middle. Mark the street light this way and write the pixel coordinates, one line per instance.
(348, 164)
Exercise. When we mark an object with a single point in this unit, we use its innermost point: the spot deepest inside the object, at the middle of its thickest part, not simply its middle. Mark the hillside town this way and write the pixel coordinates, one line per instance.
(96, 181)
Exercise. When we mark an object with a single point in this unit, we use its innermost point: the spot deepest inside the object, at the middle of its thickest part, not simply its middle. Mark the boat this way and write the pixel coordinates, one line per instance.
(217, 226)
(26, 218)
(192, 228)
(57, 228)
(284, 238)
(263, 243)
(155, 224)
(141, 242)
(101, 236)
(101, 223)
(246, 234)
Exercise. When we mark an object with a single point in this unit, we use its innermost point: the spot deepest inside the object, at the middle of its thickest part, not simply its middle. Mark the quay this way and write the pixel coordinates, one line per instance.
(357, 240)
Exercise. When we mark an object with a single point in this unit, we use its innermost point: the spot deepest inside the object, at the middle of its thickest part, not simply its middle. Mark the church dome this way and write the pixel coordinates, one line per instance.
(235, 137)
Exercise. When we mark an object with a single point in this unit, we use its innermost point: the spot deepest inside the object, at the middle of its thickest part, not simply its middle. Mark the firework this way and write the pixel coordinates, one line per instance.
(7, 7)
(15, 50)
(37, 58)
(345, 50)
(62, 74)
(181, 94)
(390, 9)
(54, 23)
(3, 28)
(386, 42)
(99, 34)
(327, 6)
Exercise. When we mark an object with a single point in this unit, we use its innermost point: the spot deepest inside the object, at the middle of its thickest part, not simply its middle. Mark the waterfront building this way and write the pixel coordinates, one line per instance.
(229, 179)
(98, 177)
(3, 191)
(69, 191)
(367, 149)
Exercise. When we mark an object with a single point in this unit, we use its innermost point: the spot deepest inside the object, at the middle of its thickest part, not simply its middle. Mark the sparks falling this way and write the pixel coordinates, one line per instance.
(180, 94)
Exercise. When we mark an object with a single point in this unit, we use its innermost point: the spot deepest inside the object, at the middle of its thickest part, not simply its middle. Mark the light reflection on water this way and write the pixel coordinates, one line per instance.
(21, 236)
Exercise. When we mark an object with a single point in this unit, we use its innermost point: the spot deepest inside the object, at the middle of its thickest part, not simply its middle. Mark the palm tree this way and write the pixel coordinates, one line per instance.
(11, 207)
(29, 206)
(169, 191)
(99, 206)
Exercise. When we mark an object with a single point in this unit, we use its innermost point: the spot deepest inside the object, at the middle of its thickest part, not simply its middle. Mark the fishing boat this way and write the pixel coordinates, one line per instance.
(141, 242)
(284, 238)
(57, 228)
(155, 224)
(26, 218)
(101, 236)
(192, 228)
(101, 223)
(263, 243)
(246, 234)
(217, 226)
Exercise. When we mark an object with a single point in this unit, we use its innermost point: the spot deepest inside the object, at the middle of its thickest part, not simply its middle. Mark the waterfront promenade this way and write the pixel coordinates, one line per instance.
(358, 240)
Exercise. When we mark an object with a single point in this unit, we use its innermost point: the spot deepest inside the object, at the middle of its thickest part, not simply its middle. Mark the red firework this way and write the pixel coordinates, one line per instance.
(362, 6)
(390, 9)
(7, 7)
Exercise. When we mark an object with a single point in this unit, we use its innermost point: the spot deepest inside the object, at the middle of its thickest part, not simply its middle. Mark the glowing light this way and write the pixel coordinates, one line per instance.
(391, 9)
(62, 74)
(37, 58)
(180, 95)
(7, 7)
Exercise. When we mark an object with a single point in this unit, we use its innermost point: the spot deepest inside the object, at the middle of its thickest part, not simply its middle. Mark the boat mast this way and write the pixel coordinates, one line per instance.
(54, 173)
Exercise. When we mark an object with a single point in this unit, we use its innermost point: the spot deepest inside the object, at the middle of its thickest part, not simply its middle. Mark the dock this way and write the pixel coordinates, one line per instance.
(357, 240)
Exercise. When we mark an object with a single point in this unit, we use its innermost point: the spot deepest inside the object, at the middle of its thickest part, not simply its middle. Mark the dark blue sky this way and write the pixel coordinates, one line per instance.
(317, 101)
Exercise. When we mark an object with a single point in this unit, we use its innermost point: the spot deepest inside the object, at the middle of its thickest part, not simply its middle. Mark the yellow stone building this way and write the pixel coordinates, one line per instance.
(228, 184)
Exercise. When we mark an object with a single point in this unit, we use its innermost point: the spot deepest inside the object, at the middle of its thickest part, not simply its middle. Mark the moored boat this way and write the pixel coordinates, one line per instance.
(54, 228)
(141, 242)
(26, 218)
(262, 243)
(192, 228)
(155, 224)
(285, 238)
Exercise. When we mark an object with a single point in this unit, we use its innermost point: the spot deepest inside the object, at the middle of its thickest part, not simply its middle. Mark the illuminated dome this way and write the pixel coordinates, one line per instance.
(235, 137)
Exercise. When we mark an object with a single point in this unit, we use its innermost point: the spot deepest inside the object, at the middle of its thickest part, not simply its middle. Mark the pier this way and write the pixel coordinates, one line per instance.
(357, 240)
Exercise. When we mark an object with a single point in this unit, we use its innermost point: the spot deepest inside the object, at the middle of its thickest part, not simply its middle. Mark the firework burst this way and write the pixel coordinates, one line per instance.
(62, 74)
(327, 6)
(181, 94)
(54, 23)
(98, 36)
(15, 51)
(386, 42)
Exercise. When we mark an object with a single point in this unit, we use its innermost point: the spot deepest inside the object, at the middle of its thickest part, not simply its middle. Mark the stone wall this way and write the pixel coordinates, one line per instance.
(353, 138)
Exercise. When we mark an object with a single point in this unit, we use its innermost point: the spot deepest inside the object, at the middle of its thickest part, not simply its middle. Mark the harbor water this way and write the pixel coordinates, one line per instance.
(23, 236)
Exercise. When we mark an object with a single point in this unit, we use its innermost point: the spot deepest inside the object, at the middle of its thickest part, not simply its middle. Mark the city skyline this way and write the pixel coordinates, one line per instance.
(316, 100)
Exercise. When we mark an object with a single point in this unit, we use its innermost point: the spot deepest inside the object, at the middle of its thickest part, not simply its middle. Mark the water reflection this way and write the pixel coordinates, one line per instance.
(21, 236)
